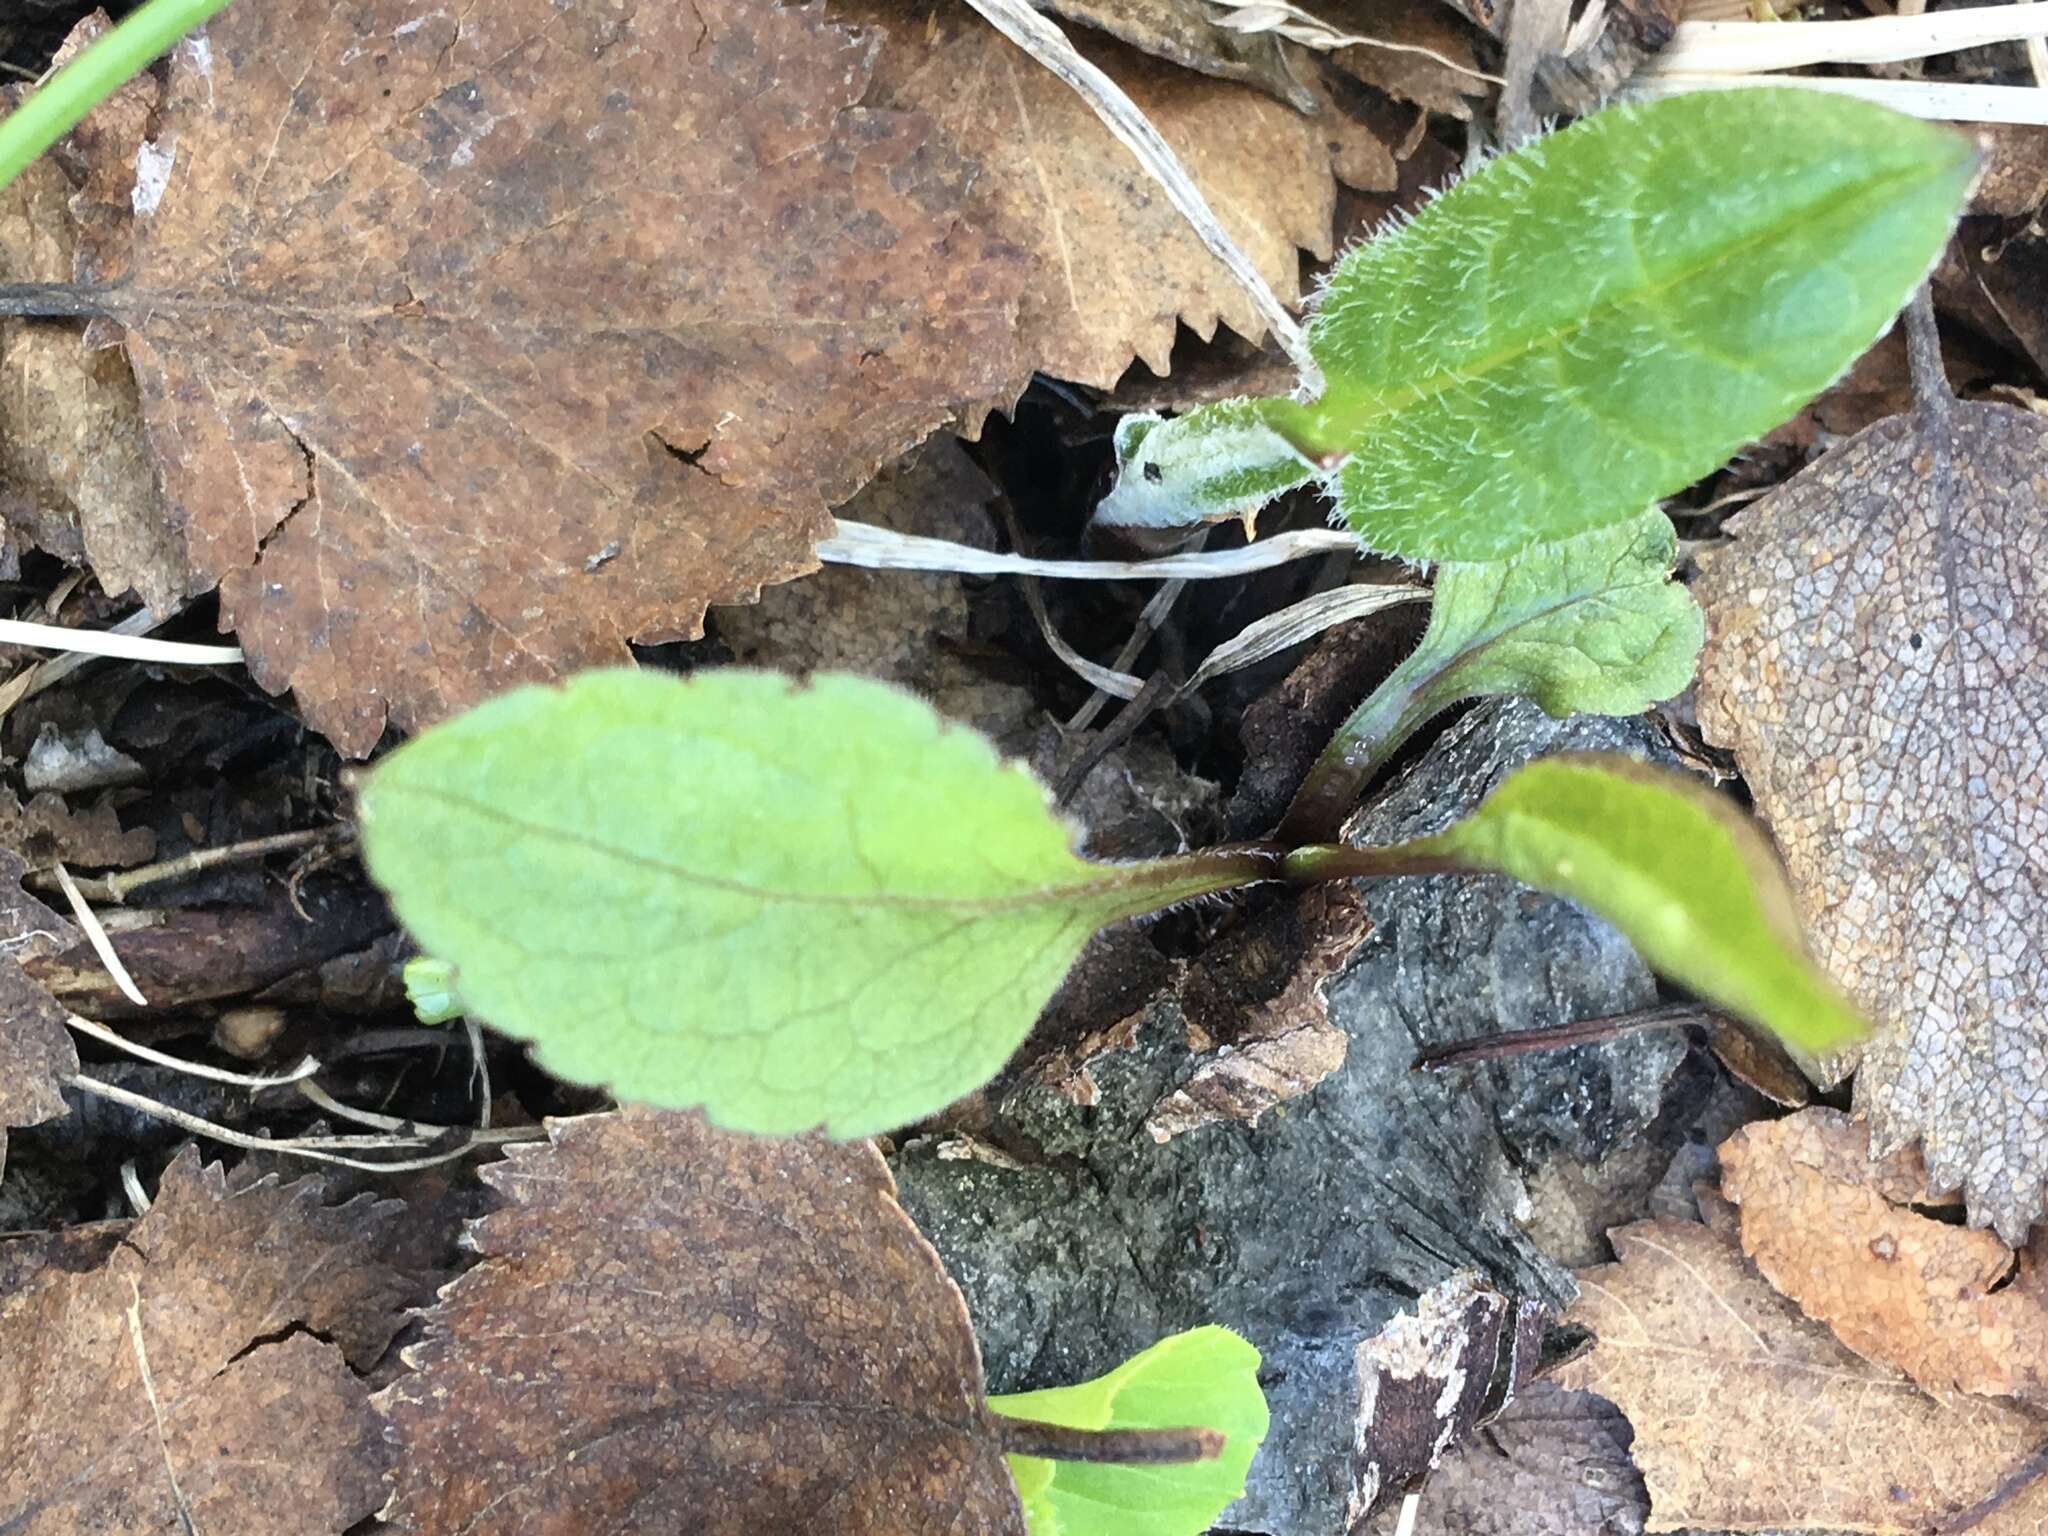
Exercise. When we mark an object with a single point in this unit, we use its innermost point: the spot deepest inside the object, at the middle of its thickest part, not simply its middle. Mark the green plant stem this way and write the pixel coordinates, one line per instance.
(1112, 1447)
(60, 102)
(1334, 861)
(1359, 750)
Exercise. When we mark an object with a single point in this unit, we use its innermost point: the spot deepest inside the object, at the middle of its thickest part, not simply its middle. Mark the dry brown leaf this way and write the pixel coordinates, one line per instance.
(1554, 1463)
(1751, 1417)
(46, 829)
(1414, 77)
(73, 458)
(1113, 265)
(2014, 181)
(1876, 663)
(1838, 1234)
(471, 349)
(246, 1421)
(36, 1053)
(1189, 33)
(676, 1328)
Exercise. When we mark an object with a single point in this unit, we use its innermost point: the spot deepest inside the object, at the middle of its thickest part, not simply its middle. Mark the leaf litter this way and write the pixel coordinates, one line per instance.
(477, 350)
(946, 224)
(1876, 664)
(200, 1377)
(674, 1327)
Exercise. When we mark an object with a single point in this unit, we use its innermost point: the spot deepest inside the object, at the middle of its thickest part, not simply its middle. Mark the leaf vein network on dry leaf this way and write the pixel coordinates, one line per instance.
(1877, 664)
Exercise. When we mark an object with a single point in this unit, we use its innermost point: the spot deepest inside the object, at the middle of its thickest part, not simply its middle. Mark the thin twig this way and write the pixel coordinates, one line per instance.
(96, 1031)
(117, 887)
(96, 936)
(104, 642)
(1411, 1505)
(53, 301)
(2010, 1487)
(419, 1130)
(1150, 617)
(310, 1148)
(1017, 21)
(881, 549)
(33, 680)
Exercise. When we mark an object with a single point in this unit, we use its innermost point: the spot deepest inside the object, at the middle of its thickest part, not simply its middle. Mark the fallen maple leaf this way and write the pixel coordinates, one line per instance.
(472, 348)
(180, 1385)
(1114, 266)
(677, 1328)
(1838, 1233)
(1876, 662)
(1749, 1416)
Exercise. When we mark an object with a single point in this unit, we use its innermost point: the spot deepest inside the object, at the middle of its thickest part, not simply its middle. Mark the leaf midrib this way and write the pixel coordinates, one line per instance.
(1373, 407)
(1097, 879)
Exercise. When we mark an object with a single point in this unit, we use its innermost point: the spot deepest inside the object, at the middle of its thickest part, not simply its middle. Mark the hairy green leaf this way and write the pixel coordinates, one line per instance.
(1590, 323)
(796, 906)
(1591, 624)
(1207, 1377)
(1684, 874)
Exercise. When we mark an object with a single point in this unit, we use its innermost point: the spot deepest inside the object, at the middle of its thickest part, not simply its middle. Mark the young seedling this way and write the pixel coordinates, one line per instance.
(1512, 377)
(818, 905)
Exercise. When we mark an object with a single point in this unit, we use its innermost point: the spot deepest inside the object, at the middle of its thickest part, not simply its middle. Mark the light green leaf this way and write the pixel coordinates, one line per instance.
(1601, 318)
(1217, 462)
(793, 905)
(1684, 874)
(1588, 324)
(430, 988)
(1591, 624)
(1206, 1378)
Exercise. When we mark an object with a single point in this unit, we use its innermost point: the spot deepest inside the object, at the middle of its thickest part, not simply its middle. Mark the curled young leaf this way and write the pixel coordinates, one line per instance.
(1684, 874)
(1644, 292)
(796, 906)
(1592, 624)
(1206, 1376)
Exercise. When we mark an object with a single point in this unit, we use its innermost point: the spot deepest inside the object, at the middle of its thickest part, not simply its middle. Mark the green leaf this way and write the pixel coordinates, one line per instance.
(1217, 462)
(60, 103)
(1591, 624)
(794, 906)
(1207, 1378)
(1683, 873)
(1601, 318)
(1586, 325)
(430, 988)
